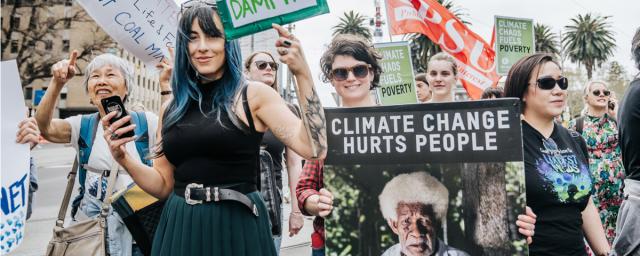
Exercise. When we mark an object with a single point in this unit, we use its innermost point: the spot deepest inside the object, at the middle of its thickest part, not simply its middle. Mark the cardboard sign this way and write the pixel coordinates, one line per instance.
(14, 160)
(397, 83)
(514, 40)
(436, 160)
(145, 28)
(245, 17)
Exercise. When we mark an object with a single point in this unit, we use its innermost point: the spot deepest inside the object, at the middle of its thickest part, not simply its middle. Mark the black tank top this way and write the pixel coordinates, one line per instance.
(209, 152)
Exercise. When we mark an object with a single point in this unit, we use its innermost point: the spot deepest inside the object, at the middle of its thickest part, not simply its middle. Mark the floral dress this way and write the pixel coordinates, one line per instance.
(605, 163)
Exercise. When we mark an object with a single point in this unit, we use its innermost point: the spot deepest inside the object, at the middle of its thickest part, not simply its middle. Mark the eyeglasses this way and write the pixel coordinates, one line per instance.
(191, 3)
(262, 65)
(548, 83)
(597, 93)
(341, 74)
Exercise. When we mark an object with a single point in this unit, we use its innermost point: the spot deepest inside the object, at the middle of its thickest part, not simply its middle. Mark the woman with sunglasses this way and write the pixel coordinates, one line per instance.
(262, 67)
(206, 166)
(351, 65)
(558, 181)
(442, 74)
(600, 131)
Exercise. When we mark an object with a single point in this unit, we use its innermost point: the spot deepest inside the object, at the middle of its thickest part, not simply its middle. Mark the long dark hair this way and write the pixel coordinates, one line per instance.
(184, 81)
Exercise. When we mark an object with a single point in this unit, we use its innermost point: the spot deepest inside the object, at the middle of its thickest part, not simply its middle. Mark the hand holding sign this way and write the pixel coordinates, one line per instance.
(290, 51)
(64, 70)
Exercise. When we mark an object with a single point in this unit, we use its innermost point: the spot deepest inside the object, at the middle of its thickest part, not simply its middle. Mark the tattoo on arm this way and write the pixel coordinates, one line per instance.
(314, 113)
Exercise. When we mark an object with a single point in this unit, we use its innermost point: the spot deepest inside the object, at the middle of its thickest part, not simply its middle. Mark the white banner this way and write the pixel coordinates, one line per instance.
(244, 12)
(14, 160)
(143, 27)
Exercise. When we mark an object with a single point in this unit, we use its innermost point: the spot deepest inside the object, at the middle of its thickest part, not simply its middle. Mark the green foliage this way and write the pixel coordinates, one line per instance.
(546, 41)
(589, 41)
(353, 23)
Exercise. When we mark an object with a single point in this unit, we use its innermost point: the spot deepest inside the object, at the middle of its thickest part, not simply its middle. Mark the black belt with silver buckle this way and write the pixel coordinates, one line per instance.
(195, 193)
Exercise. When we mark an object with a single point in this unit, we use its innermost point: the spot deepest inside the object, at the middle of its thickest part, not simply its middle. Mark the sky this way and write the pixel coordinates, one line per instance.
(316, 32)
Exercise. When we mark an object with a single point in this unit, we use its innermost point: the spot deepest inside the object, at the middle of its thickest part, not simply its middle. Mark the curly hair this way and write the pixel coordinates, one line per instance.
(356, 47)
(415, 187)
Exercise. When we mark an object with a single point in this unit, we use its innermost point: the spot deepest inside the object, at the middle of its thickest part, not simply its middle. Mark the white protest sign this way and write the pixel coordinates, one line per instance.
(143, 27)
(14, 160)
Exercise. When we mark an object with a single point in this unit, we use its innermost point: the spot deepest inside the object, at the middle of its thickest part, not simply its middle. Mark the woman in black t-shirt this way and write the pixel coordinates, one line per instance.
(557, 173)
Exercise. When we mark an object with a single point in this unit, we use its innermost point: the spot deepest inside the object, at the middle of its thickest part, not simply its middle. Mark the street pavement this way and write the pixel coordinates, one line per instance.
(54, 162)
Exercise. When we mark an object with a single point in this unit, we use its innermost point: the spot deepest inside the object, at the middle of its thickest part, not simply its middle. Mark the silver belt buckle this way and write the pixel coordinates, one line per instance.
(187, 193)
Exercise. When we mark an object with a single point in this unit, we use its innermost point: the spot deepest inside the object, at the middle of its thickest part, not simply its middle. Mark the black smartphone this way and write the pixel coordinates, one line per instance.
(114, 103)
(612, 105)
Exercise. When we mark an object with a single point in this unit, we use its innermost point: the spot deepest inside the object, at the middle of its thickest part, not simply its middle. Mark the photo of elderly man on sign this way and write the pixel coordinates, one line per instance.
(414, 205)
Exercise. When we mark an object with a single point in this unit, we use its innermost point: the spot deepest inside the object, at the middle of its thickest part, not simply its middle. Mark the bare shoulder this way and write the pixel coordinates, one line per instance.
(259, 92)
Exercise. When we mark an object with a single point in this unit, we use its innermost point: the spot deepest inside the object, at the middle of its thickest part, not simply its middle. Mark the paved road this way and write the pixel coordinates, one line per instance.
(54, 162)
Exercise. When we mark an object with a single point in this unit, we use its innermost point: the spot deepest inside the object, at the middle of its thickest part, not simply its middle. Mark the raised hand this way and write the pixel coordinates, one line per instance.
(64, 70)
(166, 68)
(290, 51)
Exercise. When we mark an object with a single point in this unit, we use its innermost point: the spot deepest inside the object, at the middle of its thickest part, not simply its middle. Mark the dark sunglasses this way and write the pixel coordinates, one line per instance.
(262, 65)
(548, 83)
(191, 3)
(598, 92)
(341, 74)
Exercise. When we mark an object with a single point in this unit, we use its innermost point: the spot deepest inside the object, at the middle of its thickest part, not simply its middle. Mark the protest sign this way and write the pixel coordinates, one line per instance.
(474, 56)
(145, 28)
(514, 40)
(397, 84)
(14, 160)
(457, 166)
(245, 17)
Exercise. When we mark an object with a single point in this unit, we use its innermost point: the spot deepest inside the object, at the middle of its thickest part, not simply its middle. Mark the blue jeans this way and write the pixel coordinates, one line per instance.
(277, 241)
(317, 252)
(119, 240)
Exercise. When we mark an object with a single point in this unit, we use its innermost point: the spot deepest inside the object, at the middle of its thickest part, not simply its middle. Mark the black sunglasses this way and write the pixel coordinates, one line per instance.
(598, 92)
(262, 65)
(548, 83)
(191, 3)
(341, 74)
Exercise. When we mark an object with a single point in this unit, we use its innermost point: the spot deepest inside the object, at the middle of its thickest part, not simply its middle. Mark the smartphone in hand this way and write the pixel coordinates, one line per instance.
(114, 103)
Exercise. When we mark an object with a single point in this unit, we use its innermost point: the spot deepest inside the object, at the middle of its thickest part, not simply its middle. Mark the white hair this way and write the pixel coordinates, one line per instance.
(115, 62)
(416, 187)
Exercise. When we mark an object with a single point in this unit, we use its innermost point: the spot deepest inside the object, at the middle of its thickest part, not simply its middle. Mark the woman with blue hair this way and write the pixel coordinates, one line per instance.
(206, 166)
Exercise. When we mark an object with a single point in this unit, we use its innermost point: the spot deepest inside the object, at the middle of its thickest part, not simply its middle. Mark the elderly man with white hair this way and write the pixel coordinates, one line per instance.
(414, 205)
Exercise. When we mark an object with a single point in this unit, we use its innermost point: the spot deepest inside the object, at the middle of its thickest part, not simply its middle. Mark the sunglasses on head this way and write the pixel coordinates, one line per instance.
(191, 3)
(548, 83)
(597, 93)
(262, 65)
(341, 74)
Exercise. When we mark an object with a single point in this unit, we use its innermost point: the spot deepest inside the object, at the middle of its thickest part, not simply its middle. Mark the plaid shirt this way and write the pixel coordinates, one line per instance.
(310, 183)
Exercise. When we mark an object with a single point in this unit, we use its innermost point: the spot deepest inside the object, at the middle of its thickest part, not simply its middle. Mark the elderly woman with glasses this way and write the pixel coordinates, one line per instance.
(600, 131)
(558, 181)
(206, 165)
(106, 75)
(262, 67)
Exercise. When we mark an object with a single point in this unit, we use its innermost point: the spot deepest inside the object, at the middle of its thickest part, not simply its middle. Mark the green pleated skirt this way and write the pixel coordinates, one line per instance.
(219, 229)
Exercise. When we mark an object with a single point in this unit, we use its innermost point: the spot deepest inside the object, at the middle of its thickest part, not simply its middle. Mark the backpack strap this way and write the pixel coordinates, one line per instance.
(579, 124)
(88, 128)
(247, 109)
(142, 132)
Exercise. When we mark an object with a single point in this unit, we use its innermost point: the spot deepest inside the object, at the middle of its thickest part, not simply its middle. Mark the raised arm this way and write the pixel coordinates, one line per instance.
(157, 180)
(56, 130)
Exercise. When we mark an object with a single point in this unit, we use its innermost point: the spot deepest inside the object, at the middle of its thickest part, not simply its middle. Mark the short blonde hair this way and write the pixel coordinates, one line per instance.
(443, 56)
(417, 187)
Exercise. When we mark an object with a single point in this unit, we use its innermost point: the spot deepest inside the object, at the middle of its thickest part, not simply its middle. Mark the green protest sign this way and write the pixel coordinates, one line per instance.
(514, 40)
(245, 17)
(397, 84)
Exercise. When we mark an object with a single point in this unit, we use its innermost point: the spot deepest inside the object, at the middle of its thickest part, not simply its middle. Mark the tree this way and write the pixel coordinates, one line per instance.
(589, 41)
(353, 23)
(616, 79)
(34, 55)
(546, 41)
(422, 47)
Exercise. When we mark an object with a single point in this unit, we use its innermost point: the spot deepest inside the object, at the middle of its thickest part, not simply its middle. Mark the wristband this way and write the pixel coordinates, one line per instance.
(166, 92)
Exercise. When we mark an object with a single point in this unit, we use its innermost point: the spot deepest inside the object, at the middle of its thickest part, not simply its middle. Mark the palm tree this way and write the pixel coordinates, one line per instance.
(422, 47)
(352, 23)
(589, 41)
(546, 41)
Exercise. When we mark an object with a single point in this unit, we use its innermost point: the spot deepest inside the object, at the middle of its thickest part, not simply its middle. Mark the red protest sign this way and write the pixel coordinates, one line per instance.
(475, 58)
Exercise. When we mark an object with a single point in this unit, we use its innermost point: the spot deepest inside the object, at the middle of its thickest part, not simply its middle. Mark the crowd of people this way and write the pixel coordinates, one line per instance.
(210, 94)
